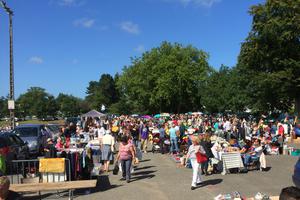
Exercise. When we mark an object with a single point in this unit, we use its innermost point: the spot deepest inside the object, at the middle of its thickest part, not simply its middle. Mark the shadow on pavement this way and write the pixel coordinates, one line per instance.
(267, 169)
(143, 172)
(103, 184)
(136, 178)
(142, 175)
(211, 182)
(146, 167)
(145, 160)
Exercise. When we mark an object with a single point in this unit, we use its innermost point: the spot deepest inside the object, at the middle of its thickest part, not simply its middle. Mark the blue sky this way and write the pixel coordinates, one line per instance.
(61, 45)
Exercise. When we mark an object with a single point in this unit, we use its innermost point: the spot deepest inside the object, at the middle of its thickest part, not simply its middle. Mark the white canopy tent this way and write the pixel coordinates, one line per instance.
(93, 114)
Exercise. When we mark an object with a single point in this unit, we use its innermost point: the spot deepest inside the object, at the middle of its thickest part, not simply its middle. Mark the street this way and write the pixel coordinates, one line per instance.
(159, 177)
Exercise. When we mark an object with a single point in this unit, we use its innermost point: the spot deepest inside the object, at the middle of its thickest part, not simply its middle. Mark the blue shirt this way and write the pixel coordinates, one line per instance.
(172, 132)
(161, 132)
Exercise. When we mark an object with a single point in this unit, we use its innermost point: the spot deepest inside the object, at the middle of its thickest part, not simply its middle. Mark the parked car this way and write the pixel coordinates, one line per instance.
(35, 135)
(18, 149)
(54, 130)
(296, 176)
(48, 118)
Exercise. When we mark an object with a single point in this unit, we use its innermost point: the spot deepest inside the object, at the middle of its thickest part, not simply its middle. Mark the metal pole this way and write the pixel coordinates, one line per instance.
(11, 71)
(11, 64)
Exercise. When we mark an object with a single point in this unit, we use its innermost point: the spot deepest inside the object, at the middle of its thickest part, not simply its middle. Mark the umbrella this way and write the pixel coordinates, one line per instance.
(134, 115)
(165, 115)
(146, 117)
(157, 116)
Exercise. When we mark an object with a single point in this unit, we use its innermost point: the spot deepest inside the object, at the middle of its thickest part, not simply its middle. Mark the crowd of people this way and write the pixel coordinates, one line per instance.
(123, 139)
(175, 134)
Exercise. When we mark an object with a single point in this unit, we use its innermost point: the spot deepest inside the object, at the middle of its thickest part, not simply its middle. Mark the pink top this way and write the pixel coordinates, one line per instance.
(125, 153)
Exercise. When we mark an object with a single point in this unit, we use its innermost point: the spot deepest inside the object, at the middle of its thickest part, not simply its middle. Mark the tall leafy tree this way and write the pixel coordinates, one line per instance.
(102, 92)
(167, 78)
(222, 91)
(270, 56)
(70, 106)
(3, 107)
(36, 101)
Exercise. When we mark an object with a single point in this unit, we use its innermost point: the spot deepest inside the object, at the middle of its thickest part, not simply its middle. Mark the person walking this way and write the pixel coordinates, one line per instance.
(193, 149)
(162, 134)
(173, 139)
(207, 145)
(125, 156)
(144, 138)
(108, 142)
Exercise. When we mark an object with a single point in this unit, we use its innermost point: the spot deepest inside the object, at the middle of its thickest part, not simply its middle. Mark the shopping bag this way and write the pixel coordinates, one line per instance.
(136, 161)
(116, 169)
(201, 158)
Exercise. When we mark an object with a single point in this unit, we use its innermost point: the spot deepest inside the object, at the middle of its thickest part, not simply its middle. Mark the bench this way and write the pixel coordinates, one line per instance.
(68, 185)
(231, 160)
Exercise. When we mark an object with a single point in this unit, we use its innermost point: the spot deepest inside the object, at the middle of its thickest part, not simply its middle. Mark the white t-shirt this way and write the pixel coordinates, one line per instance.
(101, 132)
(258, 151)
(227, 126)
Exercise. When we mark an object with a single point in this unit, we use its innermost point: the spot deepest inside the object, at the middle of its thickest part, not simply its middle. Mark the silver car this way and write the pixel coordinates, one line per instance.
(35, 135)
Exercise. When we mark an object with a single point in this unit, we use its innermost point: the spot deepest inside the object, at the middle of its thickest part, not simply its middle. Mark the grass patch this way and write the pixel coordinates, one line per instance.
(4, 123)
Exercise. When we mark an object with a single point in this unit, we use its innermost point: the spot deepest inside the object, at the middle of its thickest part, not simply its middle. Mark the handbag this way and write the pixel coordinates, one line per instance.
(116, 169)
(201, 158)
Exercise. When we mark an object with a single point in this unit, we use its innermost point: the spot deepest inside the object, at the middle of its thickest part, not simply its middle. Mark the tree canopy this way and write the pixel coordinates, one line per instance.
(36, 101)
(102, 92)
(270, 55)
(165, 79)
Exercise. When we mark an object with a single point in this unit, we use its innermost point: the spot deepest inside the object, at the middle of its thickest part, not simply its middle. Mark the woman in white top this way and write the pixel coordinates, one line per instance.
(193, 149)
(107, 146)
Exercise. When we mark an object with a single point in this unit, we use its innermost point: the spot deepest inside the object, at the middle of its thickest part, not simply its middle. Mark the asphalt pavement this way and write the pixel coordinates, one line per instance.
(159, 177)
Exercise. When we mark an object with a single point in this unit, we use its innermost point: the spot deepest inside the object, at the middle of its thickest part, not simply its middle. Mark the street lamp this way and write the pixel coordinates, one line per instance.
(11, 105)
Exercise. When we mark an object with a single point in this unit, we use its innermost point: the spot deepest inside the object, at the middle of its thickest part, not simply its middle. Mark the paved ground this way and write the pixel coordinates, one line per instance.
(160, 178)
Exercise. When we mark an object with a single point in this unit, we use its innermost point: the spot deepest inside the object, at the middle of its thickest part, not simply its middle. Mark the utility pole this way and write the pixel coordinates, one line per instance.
(11, 101)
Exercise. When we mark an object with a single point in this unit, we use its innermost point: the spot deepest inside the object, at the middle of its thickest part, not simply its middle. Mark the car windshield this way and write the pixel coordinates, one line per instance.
(53, 128)
(17, 140)
(27, 132)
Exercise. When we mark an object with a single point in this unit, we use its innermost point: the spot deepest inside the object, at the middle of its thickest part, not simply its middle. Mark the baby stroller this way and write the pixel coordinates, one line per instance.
(156, 142)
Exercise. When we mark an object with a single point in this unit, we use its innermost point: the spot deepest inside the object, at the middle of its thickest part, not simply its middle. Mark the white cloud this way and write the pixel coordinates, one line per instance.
(36, 60)
(140, 48)
(203, 3)
(84, 22)
(130, 27)
(71, 2)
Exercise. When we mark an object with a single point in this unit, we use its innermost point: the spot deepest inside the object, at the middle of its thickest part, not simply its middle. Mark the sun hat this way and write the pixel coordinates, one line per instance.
(49, 140)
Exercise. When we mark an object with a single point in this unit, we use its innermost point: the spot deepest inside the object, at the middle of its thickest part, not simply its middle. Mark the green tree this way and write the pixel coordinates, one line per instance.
(166, 79)
(3, 107)
(101, 92)
(222, 91)
(36, 101)
(270, 56)
(70, 106)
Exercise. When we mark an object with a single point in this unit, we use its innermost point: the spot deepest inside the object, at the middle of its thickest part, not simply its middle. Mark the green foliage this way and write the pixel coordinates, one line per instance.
(165, 79)
(270, 56)
(70, 106)
(101, 92)
(3, 107)
(36, 102)
(222, 91)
